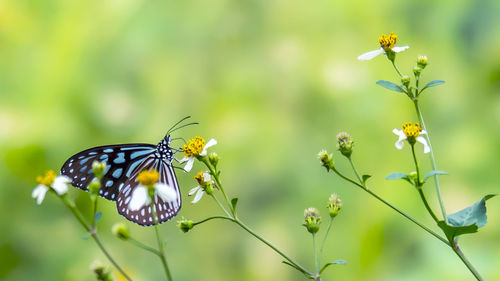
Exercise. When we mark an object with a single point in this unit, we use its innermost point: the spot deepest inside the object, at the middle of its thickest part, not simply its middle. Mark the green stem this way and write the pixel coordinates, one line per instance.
(324, 239)
(93, 234)
(392, 207)
(461, 255)
(161, 246)
(94, 209)
(221, 206)
(355, 171)
(212, 218)
(433, 161)
(418, 185)
(396, 68)
(143, 246)
(315, 253)
(214, 173)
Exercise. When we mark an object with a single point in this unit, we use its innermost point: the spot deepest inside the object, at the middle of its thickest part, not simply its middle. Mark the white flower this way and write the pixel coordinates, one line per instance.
(387, 43)
(58, 183)
(402, 137)
(195, 147)
(140, 196)
(203, 178)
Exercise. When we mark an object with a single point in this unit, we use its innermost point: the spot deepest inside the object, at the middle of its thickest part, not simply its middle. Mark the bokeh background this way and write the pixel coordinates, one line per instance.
(273, 81)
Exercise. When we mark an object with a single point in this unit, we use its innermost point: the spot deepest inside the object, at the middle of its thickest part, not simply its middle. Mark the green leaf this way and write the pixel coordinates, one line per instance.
(97, 216)
(391, 86)
(234, 201)
(398, 176)
(298, 268)
(434, 172)
(365, 178)
(330, 263)
(432, 84)
(467, 220)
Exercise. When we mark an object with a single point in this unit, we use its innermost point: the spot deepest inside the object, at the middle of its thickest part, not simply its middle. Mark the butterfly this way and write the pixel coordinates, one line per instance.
(123, 163)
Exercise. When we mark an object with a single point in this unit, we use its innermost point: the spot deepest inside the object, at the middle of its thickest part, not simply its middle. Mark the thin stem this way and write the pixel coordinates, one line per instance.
(355, 171)
(221, 206)
(161, 246)
(144, 246)
(433, 161)
(461, 255)
(393, 207)
(324, 239)
(93, 234)
(417, 167)
(316, 263)
(418, 185)
(396, 68)
(212, 218)
(94, 209)
(217, 181)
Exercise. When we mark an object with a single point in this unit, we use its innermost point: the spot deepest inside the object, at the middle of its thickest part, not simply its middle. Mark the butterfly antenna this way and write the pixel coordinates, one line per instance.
(180, 121)
(185, 125)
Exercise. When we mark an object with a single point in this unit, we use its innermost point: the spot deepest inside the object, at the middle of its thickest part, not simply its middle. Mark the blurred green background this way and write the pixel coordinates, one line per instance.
(273, 81)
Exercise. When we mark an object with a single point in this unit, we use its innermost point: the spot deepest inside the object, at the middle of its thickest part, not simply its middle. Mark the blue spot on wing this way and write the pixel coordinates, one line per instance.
(117, 173)
(120, 159)
(103, 157)
(82, 169)
(108, 150)
(109, 183)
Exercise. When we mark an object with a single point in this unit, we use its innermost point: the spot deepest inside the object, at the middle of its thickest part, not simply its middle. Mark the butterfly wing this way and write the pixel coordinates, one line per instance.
(164, 210)
(121, 160)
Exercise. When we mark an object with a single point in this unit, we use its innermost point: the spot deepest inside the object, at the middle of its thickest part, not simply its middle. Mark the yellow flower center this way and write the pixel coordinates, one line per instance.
(194, 147)
(199, 177)
(411, 130)
(47, 179)
(387, 42)
(148, 178)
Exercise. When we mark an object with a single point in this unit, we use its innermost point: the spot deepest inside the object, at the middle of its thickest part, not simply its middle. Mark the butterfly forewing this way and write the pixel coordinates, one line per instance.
(121, 161)
(164, 210)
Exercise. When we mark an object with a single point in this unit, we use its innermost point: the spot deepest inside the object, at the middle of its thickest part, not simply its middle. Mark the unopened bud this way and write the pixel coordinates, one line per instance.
(94, 187)
(101, 271)
(312, 220)
(120, 230)
(416, 71)
(213, 158)
(344, 144)
(185, 225)
(326, 159)
(422, 61)
(405, 80)
(334, 205)
(98, 168)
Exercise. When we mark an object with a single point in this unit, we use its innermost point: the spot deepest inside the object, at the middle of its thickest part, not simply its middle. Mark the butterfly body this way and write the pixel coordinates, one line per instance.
(124, 163)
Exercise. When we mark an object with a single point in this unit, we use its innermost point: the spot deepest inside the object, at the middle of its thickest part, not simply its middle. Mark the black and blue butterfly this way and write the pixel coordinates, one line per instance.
(124, 163)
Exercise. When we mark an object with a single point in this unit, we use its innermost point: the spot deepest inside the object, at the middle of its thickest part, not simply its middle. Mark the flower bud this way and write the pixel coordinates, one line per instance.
(94, 187)
(101, 271)
(405, 80)
(120, 230)
(98, 168)
(416, 71)
(185, 225)
(326, 159)
(334, 205)
(312, 220)
(213, 158)
(422, 61)
(413, 177)
(344, 144)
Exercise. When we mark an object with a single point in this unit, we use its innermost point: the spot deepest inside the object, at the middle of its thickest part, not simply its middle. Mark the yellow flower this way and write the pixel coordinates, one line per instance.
(195, 148)
(148, 178)
(58, 183)
(387, 45)
(412, 132)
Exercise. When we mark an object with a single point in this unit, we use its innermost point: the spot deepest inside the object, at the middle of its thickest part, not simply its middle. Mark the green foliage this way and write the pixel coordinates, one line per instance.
(432, 84)
(397, 176)
(391, 86)
(434, 172)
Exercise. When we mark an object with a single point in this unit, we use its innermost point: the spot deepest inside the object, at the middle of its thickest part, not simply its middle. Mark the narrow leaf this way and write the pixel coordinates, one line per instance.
(292, 265)
(365, 178)
(434, 172)
(97, 216)
(391, 86)
(330, 263)
(433, 83)
(234, 201)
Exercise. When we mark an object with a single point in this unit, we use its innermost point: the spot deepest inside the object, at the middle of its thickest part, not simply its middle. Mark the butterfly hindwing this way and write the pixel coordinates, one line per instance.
(164, 210)
(121, 160)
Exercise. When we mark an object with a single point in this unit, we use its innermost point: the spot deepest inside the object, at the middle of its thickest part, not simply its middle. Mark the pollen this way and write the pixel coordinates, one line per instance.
(194, 147)
(47, 179)
(199, 177)
(412, 130)
(148, 178)
(387, 42)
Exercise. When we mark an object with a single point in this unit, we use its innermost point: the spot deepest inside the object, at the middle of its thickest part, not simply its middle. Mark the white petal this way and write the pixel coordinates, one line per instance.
(371, 54)
(189, 164)
(166, 192)
(193, 190)
(60, 184)
(399, 143)
(423, 132)
(423, 141)
(183, 160)
(400, 49)
(39, 193)
(140, 197)
(210, 143)
(198, 196)
(207, 177)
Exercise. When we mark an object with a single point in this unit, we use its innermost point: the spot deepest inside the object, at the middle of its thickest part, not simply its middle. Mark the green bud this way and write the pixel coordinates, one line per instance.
(312, 220)
(405, 80)
(120, 230)
(413, 177)
(416, 71)
(326, 159)
(209, 188)
(185, 225)
(98, 168)
(94, 187)
(344, 144)
(213, 158)
(334, 205)
(391, 55)
(101, 271)
(422, 61)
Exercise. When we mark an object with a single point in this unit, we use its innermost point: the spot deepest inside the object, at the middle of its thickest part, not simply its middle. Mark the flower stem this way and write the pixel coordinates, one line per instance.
(161, 246)
(215, 174)
(396, 68)
(392, 207)
(461, 255)
(324, 239)
(71, 206)
(433, 161)
(418, 185)
(316, 262)
(355, 171)
(143, 246)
